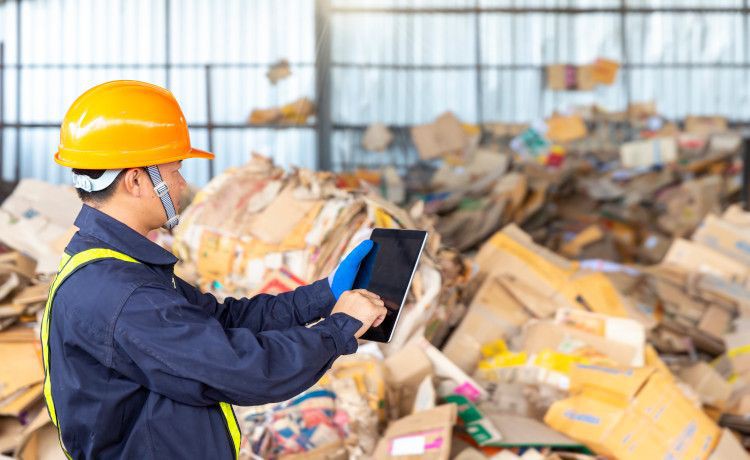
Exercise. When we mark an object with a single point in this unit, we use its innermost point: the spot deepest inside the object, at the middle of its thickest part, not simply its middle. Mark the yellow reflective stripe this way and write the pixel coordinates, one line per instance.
(67, 265)
(232, 426)
(735, 352)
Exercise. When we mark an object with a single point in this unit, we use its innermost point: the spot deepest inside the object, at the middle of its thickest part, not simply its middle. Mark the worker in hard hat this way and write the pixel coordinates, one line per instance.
(138, 363)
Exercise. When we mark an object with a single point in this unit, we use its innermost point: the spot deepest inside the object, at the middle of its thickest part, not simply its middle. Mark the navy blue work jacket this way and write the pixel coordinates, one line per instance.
(140, 359)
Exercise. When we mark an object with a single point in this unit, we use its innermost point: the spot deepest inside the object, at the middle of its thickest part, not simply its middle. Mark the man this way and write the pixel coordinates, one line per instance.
(138, 363)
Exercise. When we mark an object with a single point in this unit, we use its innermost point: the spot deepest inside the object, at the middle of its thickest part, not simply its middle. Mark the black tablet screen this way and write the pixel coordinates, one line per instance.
(387, 271)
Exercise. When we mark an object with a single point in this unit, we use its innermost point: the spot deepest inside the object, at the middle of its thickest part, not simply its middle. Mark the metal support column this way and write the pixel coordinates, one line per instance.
(167, 43)
(746, 172)
(478, 69)
(324, 128)
(209, 120)
(17, 175)
(2, 109)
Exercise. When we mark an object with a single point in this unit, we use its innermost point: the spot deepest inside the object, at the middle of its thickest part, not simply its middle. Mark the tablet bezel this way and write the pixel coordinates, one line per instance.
(386, 233)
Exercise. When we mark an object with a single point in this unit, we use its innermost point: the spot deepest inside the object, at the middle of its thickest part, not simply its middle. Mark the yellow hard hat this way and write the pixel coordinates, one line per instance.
(124, 124)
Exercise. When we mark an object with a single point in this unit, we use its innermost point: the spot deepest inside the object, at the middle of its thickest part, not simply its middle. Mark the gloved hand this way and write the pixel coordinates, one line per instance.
(342, 279)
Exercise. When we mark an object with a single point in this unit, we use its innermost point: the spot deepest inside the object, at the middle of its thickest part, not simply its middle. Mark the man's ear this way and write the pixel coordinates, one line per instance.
(135, 182)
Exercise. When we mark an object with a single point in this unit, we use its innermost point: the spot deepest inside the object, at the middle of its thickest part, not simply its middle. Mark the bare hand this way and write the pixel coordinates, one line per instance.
(363, 305)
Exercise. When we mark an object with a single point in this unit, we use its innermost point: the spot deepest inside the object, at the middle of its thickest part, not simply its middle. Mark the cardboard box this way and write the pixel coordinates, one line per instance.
(715, 321)
(565, 128)
(424, 435)
(445, 135)
(735, 215)
(620, 330)
(605, 71)
(561, 77)
(632, 414)
(729, 448)
(706, 381)
(452, 380)
(639, 154)
(377, 138)
(548, 335)
(40, 440)
(585, 78)
(589, 235)
(20, 367)
(695, 257)
(493, 314)
(405, 371)
(15, 262)
(705, 125)
(724, 237)
(481, 429)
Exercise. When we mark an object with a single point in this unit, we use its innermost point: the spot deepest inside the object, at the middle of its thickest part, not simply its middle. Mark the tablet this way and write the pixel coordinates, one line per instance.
(387, 271)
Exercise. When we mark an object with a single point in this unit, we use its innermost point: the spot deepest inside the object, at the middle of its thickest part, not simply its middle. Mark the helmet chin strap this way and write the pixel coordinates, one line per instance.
(162, 191)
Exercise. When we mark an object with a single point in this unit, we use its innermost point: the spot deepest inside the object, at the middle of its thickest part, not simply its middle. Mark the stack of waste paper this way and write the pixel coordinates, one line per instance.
(36, 221)
(570, 183)
(259, 229)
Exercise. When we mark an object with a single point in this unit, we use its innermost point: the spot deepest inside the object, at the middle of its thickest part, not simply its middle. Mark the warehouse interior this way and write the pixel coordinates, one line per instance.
(580, 168)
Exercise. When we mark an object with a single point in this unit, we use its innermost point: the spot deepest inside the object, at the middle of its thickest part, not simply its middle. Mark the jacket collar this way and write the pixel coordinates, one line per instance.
(118, 236)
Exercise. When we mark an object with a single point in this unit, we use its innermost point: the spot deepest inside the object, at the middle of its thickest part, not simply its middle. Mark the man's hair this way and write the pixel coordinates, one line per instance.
(100, 196)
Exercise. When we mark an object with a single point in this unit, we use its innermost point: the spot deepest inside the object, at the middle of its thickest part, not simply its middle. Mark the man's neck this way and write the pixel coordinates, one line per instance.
(120, 213)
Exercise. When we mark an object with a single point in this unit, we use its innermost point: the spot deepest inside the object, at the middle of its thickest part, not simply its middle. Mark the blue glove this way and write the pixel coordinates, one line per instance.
(342, 279)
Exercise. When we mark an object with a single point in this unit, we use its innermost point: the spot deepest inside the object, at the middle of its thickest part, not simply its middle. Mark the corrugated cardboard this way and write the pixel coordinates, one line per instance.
(729, 448)
(481, 429)
(377, 137)
(216, 255)
(688, 204)
(40, 440)
(15, 404)
(281, 217)
(493, 314)
(19, 367)
(715, 321)
(547, 335)
(521, 431)
(648, 152)
(605, 71)
(705, 125)
(657, 421)
(589, 235)
(405, 370)
(695, 257)
(735, 215)
(585, 79)
(454, 380)
(620, 330)
(18, 263)
(562, 128)
(561, 77)
(706, 381)
(424, 435)
(724, 237)
(444, 136)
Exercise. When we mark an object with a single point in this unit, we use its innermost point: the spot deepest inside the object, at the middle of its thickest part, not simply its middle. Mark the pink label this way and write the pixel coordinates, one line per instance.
(469, 391)
(417, 443)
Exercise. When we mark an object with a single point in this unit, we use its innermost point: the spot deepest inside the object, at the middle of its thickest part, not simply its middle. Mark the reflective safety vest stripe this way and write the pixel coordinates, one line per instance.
(68, 265)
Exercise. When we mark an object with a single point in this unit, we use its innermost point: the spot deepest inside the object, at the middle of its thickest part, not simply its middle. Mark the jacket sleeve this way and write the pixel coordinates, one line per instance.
(178, 349)
(265, 312)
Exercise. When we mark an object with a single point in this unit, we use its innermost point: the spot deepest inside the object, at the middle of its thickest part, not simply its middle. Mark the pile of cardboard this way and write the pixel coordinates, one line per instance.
(556, 358)
(259, 229)
(579, 191)
(295, 113)
(36, 221)
(568, 77)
